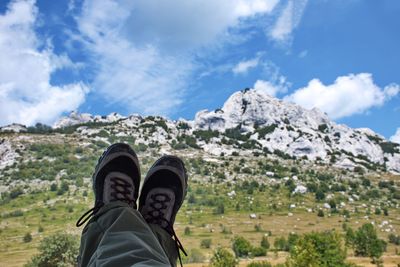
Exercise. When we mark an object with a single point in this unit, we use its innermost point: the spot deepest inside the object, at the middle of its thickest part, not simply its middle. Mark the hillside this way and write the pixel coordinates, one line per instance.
(258, 166)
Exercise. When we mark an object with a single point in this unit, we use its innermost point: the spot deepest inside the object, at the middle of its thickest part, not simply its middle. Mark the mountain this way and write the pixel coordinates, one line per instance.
(75, 118)
(250, 123)
(255, 162)
(278, 125)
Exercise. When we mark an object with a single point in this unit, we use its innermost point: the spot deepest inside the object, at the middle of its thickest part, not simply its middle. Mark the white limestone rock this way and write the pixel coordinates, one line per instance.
(14, 127)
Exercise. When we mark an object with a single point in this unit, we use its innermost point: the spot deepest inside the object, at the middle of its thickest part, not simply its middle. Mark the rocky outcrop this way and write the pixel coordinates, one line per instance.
(279, 125)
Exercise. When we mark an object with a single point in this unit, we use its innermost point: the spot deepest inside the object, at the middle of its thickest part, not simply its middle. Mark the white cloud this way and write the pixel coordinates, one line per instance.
(145, 57)
(348, 95)
(26, 95)
(288, 20)
(303, 54)
(269, 88)
(245, 65)
(396, 137)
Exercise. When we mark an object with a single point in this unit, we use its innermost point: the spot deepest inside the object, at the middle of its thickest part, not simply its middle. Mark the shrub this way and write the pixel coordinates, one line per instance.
(319, 195)
(187, 231)
(27, 238)
(257, 227)
(320, 213)
(241, 246)
(220, 209)
(194, 256)
(259, 251)
(205, 243)
(389, 147)
(350, 237)
(16, 192)
(57, 250)
(292, 240)
(64, 187)
(367, 243)
(234, 133)
(281, 244)
(262, 132)
(53, 187)
(260, 264)
(322, 128)
(206, 135)
(265, 243)
(15, 213)
(318, 249)
(394, 239)
(222, 258)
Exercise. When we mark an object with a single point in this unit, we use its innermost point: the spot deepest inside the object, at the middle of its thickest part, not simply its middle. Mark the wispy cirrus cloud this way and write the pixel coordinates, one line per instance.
(145, 57)
(136, 55)
(288, 20)
(244, 66)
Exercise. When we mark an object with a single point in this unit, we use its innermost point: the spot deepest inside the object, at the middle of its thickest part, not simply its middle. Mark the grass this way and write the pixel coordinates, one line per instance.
(212, 178)
(53, 213)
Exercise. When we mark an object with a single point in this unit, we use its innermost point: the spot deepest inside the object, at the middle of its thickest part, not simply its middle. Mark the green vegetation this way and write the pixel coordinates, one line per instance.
(262, 132)
(58, 250)
(323, 128)
(241, 247)
(205, 135)
(389, 147)
(222, 258)
(318, 249)
(239, 203)
(367, 243)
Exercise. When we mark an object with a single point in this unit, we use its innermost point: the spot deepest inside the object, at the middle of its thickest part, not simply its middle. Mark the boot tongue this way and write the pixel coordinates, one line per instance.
(115, 184)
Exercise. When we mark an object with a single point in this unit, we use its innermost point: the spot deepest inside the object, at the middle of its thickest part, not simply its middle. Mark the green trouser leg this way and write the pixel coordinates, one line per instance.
(119, 236)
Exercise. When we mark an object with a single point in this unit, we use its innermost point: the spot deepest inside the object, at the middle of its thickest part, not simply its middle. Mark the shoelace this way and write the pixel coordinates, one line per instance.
(156, 216)
(121, 192)
(87, 215)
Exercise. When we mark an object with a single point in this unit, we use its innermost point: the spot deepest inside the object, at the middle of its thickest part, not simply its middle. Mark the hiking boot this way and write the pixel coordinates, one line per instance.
(116, 178)
(162, 194)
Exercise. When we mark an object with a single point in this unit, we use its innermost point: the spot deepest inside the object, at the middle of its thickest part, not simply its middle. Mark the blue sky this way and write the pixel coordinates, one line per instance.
(174, 58)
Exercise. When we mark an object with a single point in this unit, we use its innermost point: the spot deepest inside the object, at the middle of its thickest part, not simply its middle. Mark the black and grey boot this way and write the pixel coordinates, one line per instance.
(116, 178)
(163, 192)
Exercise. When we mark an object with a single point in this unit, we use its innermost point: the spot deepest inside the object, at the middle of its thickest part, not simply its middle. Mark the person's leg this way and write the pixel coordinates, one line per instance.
(119, 236)
(163, 192)
(167, 243)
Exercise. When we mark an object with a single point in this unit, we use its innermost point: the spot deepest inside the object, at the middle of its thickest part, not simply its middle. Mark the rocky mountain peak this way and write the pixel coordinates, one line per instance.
(252, 107)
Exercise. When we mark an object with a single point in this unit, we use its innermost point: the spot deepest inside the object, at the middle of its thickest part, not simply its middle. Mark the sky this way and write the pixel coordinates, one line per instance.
(174, 58)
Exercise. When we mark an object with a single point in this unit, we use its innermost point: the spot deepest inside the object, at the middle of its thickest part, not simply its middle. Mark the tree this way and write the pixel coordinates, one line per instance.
(265, 243)
(292, 240)
(322, 249)
(222, 258)
(241, 246)
(58, 250)
(367, 243)
(281, 244)
(320, 213)
(319, 195)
